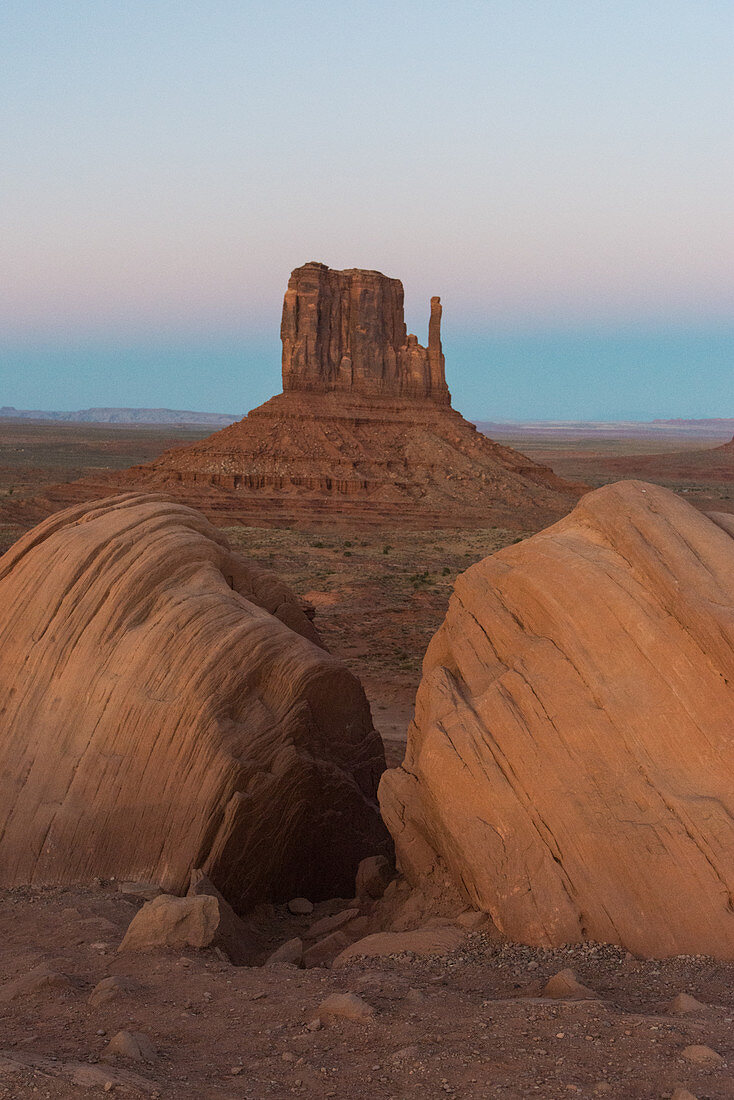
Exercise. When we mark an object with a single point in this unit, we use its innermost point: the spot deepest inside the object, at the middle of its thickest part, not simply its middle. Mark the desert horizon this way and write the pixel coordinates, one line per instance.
(366, 551)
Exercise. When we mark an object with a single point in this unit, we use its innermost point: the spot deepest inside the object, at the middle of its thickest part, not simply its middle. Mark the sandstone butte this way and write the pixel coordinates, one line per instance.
(570, 769)
(363, 430)
(166, 705)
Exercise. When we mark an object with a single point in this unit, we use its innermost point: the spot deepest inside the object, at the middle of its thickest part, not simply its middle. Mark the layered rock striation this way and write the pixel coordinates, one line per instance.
(345, 331)
(363, 432)
(167, 705)
(570, 768)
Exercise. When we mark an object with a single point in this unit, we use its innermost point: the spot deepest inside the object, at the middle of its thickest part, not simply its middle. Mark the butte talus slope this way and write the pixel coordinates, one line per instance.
(571, 763)
(364, 429)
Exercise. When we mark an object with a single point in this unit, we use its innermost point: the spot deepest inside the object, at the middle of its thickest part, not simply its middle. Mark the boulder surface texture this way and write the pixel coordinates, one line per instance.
(571, 762)
(166, 705)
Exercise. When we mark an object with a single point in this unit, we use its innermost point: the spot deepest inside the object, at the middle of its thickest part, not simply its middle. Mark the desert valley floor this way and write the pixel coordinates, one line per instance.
(472, 1022)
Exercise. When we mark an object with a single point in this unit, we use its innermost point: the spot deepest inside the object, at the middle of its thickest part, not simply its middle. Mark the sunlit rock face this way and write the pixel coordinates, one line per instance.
(571, 763)
(166, 705)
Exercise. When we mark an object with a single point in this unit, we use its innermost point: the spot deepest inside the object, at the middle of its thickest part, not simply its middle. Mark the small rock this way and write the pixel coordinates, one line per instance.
(701, 1055)
(564, 986)
(683, 1094)
(235, 1070)
(348, 1006)
(38, 979)
(108, 989)
(415, 996)
(289, 953)
(130, 1044)
(300, 907)
(438, 939)
(170, 921)
(289, 1056)
(314, 1025)
(472, 919)
(325, 951)
(684, 1005)
(373, 876)
(330, 924)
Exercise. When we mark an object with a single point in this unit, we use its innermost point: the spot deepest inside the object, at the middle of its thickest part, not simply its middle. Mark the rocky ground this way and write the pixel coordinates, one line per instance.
(470, 1024)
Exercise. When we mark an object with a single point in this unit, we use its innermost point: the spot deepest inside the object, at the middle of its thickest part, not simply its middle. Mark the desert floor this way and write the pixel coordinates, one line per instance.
(470, 1024)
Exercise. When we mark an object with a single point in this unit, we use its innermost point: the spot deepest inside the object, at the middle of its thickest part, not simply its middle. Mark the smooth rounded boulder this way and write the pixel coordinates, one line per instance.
(570, 768)
(166, 705)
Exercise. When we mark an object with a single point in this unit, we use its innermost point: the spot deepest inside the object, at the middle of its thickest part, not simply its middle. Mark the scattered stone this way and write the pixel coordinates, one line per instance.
(330, 924)
(289, 953)
(39, 978)
(564, 986)
(169, 921)
(373, 876)
(300, 907)
(130, 1044)
(472, 919)
(701, 1055)
(348, 1006)
(325, 951)
(684, 1005)
(109, 988)
(233, 937)
(438, 939)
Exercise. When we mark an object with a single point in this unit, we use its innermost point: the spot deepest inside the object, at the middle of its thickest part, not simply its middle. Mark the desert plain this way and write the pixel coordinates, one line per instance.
(216, 644)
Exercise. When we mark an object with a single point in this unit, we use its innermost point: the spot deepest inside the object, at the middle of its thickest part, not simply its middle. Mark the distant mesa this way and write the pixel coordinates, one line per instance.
(119, 416)
(571, 763)
(167, 705)
(363, 431)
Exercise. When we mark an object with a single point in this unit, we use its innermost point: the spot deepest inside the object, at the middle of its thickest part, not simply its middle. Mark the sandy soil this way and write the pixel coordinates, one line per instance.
(470, 1025)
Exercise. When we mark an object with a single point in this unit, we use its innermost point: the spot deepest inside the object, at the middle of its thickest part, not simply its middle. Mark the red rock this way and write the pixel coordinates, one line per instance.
(289, 953)
(373, 876)
(363, 432)
(232, 936)
(436, 940)
(331, 924)
(130, 1044)
(324, 951)
(167, 705)
(348, 1006)
(168, 921)
(565, 986)
(570, 765)
(701, 1055)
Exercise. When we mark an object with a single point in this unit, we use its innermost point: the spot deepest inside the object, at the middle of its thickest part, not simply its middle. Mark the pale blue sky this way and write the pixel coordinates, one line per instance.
(561, 173)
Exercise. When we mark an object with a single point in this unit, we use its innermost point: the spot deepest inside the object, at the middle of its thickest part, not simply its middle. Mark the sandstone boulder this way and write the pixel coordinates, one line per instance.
(166, 705)
(571, 763)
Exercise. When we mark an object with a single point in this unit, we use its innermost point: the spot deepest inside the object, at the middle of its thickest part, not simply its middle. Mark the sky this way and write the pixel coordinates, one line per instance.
(561, 173)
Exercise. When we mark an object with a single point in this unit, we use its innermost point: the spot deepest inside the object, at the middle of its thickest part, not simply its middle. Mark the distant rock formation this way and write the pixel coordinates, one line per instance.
(345, 331)
(571, 764)
(167, 705)
(120, 416)
(363, 432)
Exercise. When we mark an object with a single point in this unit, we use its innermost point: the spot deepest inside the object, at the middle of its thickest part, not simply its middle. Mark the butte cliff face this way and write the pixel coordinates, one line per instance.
(363, 431)
(167, 705)
(345, 331)
(571, 763)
